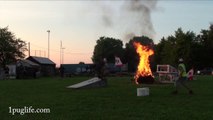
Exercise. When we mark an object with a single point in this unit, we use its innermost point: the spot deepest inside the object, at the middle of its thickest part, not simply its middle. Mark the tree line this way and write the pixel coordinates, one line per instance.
(196, 50)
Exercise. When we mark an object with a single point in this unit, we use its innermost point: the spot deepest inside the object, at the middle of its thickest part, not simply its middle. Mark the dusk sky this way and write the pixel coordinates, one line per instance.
(78, 24)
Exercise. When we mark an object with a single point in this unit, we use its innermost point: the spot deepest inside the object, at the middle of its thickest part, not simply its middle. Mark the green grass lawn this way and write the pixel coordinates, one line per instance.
(118, 101)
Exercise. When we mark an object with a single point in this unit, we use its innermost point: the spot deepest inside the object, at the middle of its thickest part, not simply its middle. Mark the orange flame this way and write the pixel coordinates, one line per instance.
(143, 66)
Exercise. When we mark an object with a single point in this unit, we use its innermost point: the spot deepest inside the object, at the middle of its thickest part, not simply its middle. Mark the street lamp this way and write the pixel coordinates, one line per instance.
(48, 31)
(61, 53)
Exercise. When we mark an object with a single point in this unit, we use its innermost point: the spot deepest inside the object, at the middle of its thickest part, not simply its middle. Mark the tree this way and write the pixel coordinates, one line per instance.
(163, 51)
(81, 64)
(169, 55)
(196, 50)
(11, 48)
(107, 48)
(131, 57)
(184, 48)
(203, 48)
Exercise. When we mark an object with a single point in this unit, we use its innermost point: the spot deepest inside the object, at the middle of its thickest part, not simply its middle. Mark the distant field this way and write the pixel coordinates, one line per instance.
(118, 101)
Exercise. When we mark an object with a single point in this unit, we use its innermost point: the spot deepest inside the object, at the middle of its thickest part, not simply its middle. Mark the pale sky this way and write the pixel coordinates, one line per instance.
(78, 24)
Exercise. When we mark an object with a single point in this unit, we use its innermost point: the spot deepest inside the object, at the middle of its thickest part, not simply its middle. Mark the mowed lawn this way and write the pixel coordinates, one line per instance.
(118, 101)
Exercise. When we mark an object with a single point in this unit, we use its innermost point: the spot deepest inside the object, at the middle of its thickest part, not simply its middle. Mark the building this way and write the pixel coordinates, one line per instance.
(27, 69)
(47, 67)
(75, 69)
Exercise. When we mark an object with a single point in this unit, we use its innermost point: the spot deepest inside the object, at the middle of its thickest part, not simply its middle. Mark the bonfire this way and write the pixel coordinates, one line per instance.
(144, 73)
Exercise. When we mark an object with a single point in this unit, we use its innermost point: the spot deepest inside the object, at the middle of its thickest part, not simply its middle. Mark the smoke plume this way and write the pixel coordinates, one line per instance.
(133, 17)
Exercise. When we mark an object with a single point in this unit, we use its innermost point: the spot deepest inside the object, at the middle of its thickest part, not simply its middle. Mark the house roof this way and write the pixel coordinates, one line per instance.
(30, 62)
(27, 63)
(42, 60)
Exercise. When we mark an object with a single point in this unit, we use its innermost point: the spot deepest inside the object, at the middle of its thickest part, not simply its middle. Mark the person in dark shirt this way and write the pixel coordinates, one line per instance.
(101, 68)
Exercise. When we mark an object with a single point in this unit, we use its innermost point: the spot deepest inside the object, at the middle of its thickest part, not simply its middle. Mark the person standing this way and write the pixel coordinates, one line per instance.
(118, 63)
(190, 74)
(100, 68)
(182, 78)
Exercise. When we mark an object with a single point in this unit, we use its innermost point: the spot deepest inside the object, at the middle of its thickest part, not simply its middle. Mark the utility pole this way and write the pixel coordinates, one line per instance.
(48, 31)
(61, 53)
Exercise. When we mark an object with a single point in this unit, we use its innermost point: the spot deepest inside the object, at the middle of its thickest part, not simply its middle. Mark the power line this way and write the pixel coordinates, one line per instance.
(40, 53)
(53, 50)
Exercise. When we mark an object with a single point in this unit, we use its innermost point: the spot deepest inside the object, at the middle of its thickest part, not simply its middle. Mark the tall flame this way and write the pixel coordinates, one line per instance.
(144, 66)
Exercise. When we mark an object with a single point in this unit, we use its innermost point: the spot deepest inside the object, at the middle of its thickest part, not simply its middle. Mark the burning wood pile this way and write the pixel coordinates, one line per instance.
(144, 73)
